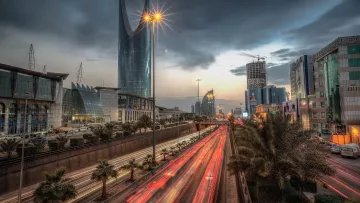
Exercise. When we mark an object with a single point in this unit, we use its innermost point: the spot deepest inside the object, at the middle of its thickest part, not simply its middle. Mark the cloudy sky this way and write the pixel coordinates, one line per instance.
(205, 39)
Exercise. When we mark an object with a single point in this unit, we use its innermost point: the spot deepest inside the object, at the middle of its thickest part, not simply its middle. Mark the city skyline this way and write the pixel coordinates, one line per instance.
(190, 49)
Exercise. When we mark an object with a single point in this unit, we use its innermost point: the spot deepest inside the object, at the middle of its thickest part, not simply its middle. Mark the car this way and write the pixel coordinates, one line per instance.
(336, 149)
(350, 150)
(83, 129)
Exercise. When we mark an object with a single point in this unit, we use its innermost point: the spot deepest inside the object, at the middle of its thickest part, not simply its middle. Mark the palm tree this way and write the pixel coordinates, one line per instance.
(148, 162)
(178, 145)
(139, 125)
(103, 171)
(146, 120)
(131, 165)
(275, 149)
(54, 188)
(184, 144)
(172, 150)
(9, 145)
(164, 152)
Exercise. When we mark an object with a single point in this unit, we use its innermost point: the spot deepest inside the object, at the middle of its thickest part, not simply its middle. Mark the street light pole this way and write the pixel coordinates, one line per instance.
(153, 60)
(199, 107)
(22, 150)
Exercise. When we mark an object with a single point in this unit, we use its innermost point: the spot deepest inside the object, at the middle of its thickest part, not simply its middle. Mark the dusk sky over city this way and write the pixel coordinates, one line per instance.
(204, 39)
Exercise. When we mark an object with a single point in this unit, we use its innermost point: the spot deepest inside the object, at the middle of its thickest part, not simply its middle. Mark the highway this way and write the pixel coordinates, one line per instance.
(192, 177)
(346, 181)
(81, 178)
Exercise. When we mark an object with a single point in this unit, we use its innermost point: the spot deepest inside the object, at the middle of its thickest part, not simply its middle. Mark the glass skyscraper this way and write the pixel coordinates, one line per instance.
(134, 55)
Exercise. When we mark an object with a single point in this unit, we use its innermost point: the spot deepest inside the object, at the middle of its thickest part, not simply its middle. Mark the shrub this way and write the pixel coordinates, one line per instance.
(127, 133)
(105, 136)
(29, 149)
(306, 186)
(294, 198)
(119, 134)
(325, 198)
(74, 142)
(90, 138)
(53, 145)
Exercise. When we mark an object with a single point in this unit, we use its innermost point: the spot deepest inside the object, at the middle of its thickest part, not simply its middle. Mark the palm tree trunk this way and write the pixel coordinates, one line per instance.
(104, 188)
(132, 174)
(164, 157)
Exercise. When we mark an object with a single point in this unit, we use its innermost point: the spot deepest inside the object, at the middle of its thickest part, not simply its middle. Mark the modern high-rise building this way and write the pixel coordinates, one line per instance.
(256, 74)
(302, 77)
(208, 104)
(198, 108)
(192, 108)
(266, 95)
(337, 85)
(134, 55)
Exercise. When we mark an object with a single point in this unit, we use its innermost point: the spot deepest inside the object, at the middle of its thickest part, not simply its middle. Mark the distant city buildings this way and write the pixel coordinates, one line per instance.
(193, 108)
(266, 95)
(134, 55)
(198, 108)
(208, 104)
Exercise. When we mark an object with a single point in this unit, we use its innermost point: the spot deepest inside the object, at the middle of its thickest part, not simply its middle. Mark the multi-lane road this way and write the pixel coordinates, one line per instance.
(346, 181)
(192, 177)
(81, 178)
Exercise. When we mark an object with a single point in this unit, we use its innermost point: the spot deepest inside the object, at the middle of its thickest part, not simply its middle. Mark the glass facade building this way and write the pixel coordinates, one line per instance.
(134, 55)
(42, 93)
(267, 95)
(208, 104)
(82, 104)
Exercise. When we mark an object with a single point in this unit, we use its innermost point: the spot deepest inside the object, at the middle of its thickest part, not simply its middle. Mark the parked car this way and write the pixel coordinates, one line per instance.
(336, 149)
(350, 150)
(83, 129)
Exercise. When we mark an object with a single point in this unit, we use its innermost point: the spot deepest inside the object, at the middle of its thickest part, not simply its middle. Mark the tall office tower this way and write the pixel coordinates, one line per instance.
(198, 108)
(134, 55)
(256, 74)
(192, 108)
(337, 84)
(208, 104)
(273, 95)
(301, 76)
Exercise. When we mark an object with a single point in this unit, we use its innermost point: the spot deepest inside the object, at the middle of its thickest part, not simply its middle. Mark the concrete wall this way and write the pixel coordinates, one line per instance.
(85, 157)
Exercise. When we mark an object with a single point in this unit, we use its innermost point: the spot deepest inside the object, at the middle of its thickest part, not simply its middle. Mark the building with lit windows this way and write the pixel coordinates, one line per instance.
(337, 85)
(84, 104)
(81, 104)
(208, 104)
(266, 95)
(44, 100)
(302, 77)
(134, 55)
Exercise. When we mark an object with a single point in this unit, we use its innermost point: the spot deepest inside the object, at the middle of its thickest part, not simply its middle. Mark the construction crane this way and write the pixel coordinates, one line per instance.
(252, 56)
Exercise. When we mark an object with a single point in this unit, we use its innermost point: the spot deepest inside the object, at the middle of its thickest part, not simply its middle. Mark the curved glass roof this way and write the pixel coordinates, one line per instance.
(87, 99)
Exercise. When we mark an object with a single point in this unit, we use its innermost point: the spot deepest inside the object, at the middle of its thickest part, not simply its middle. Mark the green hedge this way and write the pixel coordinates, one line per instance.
(28, 150)
(74, 142)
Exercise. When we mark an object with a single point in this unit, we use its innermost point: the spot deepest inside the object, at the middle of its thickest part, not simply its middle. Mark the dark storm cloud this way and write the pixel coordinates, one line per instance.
(239, 71)
(279, 75)
(342, 20)
(200, 28)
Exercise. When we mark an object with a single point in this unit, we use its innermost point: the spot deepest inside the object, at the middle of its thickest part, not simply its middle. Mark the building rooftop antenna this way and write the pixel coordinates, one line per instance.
(31, 65)
(79, 74)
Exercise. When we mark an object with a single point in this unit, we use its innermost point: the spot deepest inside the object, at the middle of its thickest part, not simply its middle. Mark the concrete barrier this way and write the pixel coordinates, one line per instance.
(83, 157)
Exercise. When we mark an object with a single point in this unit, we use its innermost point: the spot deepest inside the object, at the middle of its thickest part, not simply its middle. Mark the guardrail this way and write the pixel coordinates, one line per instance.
(68, 149)
(241, 184)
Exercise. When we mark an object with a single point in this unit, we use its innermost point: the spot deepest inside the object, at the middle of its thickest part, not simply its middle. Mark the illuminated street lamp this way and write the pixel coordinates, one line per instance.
(153, 18)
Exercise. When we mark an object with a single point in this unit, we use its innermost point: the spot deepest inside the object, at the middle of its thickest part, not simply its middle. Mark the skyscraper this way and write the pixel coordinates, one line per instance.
(256, 74)
(301, 76)
(208, 104)
(134, 55)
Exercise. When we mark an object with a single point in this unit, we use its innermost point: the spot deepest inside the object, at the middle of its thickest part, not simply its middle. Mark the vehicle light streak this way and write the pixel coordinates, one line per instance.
(207, 188)
(345, 186)
(334, 189)
(178, 188)
(154, 184)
